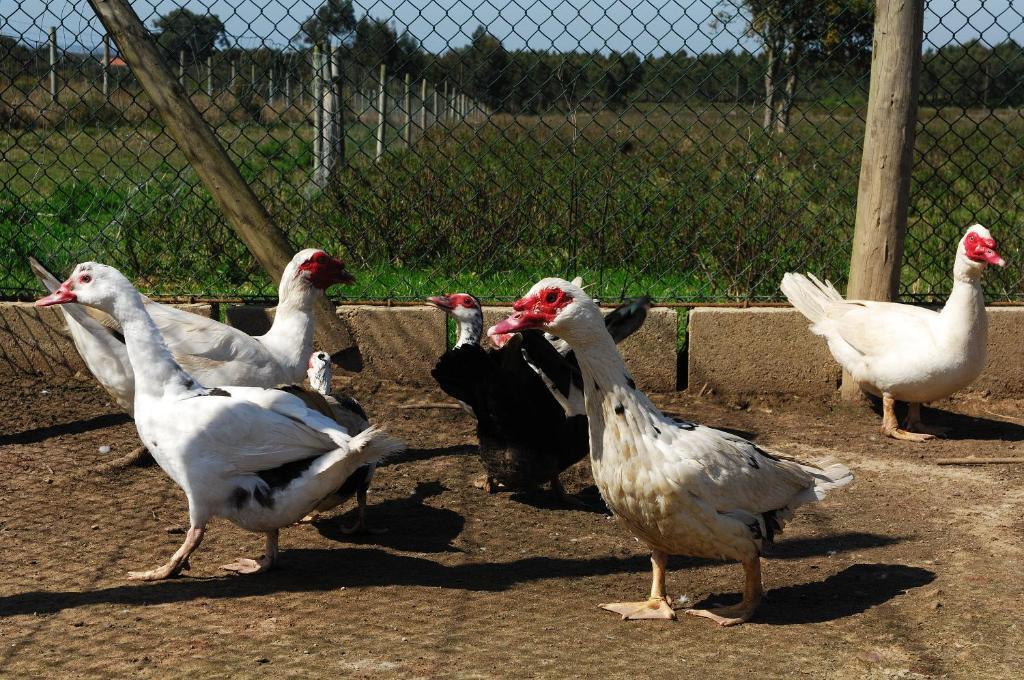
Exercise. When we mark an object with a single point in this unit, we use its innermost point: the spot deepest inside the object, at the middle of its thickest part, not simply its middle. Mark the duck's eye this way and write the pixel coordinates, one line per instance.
(551, 298)
(84, 278)
(971, 237)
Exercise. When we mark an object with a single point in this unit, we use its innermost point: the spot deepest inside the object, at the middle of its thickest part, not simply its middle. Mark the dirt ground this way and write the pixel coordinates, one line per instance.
(912, 572)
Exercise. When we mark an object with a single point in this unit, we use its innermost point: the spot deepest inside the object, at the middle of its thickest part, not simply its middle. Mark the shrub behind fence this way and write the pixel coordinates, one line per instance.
(693, 152)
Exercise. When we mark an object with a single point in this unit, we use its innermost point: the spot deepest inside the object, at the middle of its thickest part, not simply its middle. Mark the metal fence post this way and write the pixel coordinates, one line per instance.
(883, 193)
(381, 101)
(53, 64)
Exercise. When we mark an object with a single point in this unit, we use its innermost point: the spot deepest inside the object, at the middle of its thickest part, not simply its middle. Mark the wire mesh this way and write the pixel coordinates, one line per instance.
(692, 151)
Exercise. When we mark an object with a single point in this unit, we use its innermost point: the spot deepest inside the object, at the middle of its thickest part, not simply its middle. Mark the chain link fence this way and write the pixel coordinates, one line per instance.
(692, 151)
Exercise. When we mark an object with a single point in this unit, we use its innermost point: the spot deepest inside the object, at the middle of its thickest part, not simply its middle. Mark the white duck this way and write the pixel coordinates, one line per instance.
(680, 487)
(901, 352)
(348, 413)
(215, 353)
(258, 457)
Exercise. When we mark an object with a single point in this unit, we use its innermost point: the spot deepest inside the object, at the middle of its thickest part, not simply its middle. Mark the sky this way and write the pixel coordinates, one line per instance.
(645, 27)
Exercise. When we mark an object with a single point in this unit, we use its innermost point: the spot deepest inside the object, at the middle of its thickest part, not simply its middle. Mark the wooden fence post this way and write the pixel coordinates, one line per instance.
(883, 193)
(338, 87)
(423, 106)
(318, 114)
(234, 74)
(181, 67)
(407, 130)
(106, 67)
(209, 76)
(433, 109)
(53, 64)
(199, 145)
(381, 115)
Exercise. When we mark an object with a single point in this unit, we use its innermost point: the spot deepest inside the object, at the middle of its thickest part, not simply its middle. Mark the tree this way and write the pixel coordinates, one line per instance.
(376, 42)
(795, 33)
(335, 18)
(197, 34)
(485, 63)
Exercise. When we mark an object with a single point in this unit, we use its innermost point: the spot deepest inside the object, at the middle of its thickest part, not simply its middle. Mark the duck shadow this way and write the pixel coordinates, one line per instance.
(547, 500)
(39, 434)
(409, 524)
(306, 570)
(413, 455)
(961, 426)
(853, 590)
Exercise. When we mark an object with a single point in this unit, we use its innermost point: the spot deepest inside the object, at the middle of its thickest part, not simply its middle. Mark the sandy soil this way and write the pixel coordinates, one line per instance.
(914, 571)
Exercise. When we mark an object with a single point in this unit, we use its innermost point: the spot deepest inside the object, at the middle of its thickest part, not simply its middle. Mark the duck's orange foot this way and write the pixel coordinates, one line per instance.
(361, 528)
(244, 565)
(654, 608)
(904, 435)
(726, 616)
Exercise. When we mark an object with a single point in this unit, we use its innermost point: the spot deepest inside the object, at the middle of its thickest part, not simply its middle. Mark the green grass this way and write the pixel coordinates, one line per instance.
(681, 205)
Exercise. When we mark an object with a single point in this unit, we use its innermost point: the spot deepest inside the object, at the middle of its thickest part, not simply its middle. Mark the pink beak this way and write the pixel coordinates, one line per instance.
(519, 321)
(60, 296)
(441, 302)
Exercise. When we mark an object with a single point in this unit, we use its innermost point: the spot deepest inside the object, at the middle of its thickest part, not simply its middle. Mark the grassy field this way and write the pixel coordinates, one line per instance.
(685, 204)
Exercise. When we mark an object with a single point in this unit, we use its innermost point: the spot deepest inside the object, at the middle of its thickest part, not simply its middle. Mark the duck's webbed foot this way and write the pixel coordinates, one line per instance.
(488, 484)
(244, 565)
(658, 605)
(653, 608)
(178, 561)
(727, 616)
(915, 425)
(738, 613)
(890, 426)
(361, 527)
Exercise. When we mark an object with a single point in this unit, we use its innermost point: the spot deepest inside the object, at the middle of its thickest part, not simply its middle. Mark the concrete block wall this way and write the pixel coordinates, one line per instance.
(34, 342)
(771, 351)
(730, 351)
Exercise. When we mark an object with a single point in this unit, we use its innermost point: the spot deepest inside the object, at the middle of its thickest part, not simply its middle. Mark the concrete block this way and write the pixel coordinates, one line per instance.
(397, 343)
(34, 341)
(251, 319)
(762, 350)
(1004, 371)
(650, 353)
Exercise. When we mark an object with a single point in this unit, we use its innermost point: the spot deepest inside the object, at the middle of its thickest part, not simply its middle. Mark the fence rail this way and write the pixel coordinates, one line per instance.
(693, 152)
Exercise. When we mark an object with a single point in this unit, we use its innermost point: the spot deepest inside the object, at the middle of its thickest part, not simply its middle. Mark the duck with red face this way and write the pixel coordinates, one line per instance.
(682, 488)
(214, 352)
(902, 352)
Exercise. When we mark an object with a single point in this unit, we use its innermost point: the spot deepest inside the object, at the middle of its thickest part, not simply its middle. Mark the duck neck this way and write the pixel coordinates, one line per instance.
(611, 396)
(156, 372)
(470, 330)
(965, 307)
(290, 338)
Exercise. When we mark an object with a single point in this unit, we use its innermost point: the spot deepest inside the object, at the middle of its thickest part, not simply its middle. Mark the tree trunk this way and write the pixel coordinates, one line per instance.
(883, 193)
(785, 103)
(200, 146)
(771, 77)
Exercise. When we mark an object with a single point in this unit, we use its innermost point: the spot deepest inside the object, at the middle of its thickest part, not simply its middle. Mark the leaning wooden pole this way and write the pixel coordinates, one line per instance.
(883, 193)
(200, 146)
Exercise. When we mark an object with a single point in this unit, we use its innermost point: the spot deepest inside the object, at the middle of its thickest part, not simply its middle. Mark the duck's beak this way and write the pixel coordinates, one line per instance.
(61, 296)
